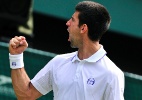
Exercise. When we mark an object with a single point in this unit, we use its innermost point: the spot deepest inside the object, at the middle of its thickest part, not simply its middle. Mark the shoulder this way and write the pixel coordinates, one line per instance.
(64, 57)
(111, 68)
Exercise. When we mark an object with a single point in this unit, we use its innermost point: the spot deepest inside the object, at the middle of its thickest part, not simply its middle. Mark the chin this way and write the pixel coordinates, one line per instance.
(72, 46)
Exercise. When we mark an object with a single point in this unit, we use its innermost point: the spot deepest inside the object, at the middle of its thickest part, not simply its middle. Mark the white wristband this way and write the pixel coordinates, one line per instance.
(16, 61)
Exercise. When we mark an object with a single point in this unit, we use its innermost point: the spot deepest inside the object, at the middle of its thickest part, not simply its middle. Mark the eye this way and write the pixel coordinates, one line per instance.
(72, 19)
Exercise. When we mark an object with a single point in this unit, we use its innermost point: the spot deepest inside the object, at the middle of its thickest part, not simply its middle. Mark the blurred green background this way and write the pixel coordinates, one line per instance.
(126, 14)
(36, 59)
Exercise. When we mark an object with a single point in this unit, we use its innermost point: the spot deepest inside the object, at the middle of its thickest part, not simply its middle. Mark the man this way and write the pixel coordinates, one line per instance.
(86, 74)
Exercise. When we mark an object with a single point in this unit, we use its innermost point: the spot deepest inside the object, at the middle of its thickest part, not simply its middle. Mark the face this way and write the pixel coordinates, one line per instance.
(74, 30)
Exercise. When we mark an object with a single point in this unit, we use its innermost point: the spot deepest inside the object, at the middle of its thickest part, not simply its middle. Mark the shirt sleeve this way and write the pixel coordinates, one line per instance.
(43, 79)
(115, 89)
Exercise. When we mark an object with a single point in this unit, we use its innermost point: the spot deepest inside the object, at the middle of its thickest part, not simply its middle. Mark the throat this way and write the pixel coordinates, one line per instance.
(86, 52)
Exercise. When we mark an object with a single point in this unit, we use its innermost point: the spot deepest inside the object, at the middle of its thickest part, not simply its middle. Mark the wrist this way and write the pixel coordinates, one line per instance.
(16, 61)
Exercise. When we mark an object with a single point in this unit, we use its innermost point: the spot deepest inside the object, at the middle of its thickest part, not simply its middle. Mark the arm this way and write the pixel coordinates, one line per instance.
(23, 88)
(21, 82)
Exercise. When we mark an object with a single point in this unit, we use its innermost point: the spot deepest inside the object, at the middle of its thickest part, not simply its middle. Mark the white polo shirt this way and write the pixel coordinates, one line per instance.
(94, 78)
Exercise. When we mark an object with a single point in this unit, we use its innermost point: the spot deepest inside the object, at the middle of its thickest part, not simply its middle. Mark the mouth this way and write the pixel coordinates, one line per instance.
(68, 29)
(69, 37)
(69, 34)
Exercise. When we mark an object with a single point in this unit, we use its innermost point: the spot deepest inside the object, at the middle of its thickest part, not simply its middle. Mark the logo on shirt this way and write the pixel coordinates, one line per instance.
(91, 81)
(13, 63)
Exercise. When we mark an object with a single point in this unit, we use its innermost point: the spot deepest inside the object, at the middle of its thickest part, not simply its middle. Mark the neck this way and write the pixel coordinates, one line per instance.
(88, 49)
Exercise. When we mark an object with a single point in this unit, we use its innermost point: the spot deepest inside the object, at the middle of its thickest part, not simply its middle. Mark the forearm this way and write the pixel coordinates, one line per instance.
(21, 83)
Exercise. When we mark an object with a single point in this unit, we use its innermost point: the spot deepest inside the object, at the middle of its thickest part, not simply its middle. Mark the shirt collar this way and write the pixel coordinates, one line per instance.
(94, 58)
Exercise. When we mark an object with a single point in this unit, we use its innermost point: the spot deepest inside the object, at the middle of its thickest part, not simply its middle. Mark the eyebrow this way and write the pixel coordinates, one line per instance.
(72, 18)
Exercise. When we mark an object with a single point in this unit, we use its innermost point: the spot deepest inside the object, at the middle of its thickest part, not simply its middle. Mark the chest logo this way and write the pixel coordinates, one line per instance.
(91, 81)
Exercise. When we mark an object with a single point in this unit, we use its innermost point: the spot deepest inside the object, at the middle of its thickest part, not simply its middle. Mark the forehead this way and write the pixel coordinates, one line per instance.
(75, 15)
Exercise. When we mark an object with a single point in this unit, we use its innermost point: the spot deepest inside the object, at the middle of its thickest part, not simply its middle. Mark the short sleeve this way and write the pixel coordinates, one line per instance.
(43, 79)
(115, 89)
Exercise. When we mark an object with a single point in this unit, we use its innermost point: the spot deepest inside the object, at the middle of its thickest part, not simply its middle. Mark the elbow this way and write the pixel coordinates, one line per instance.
(24, 94)
(29, 93)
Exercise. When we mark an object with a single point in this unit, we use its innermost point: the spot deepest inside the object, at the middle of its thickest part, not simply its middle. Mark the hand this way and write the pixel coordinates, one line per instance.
(17, 45)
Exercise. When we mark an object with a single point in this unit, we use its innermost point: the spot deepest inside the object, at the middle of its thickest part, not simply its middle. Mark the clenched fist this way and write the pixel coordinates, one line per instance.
(17, 45)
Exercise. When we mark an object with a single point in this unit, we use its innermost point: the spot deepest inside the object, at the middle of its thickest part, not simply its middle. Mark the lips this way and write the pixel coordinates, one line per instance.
(69, 38)
(67, 29)
(69, 34)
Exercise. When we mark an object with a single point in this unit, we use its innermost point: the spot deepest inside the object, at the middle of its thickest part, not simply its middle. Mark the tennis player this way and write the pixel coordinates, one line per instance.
(86, 74)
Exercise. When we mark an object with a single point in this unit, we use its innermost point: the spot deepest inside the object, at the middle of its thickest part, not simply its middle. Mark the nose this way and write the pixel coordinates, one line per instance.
(68, 23)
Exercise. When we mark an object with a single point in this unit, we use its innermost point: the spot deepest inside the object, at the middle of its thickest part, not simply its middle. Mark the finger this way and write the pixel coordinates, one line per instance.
(20, 38)
(23, 40)
(14, 42)
(24, 43)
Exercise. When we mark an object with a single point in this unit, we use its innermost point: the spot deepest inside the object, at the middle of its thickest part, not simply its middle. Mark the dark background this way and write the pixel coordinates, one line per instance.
(50, 34)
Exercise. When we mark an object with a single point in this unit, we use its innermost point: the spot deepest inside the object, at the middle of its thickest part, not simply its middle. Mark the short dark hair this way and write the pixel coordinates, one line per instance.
(95, 16)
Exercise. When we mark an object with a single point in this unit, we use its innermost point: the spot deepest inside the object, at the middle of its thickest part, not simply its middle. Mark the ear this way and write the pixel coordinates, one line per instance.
(84, 28)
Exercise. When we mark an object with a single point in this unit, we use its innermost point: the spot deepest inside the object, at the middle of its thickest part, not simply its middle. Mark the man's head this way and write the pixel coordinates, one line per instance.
(90, 20)
(95, 16)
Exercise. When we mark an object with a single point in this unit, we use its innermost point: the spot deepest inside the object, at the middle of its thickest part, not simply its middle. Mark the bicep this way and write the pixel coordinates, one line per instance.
(35, 94)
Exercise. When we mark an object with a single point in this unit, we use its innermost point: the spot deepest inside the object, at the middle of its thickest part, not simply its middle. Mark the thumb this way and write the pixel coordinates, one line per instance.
(23, 43)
